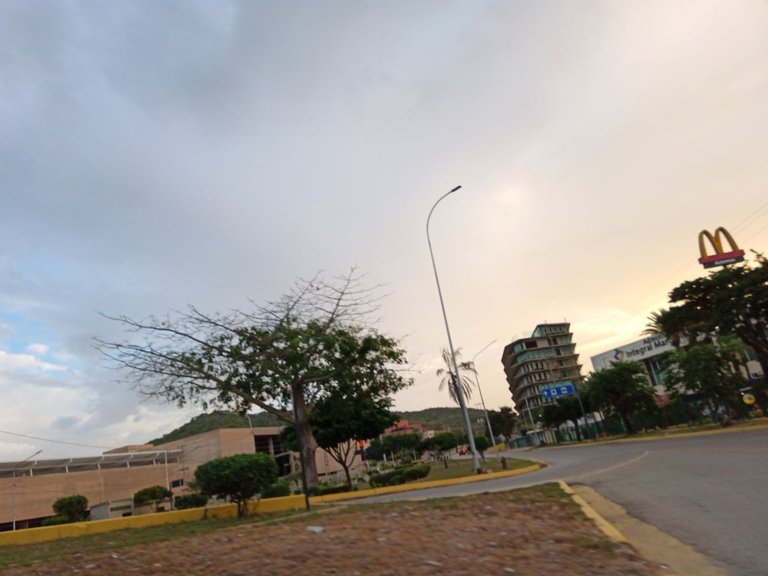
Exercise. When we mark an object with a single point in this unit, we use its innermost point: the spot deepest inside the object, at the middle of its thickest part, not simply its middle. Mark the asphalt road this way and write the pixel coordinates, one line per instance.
(709, 491)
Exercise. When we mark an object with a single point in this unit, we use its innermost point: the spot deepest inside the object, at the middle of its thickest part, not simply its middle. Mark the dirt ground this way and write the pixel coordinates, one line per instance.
(533, 532)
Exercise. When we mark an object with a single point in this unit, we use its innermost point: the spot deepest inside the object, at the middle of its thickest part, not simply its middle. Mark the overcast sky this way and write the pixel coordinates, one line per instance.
(155, 154)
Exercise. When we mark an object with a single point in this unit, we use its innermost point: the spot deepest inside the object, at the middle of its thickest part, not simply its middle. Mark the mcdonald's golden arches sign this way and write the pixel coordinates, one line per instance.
(720, 256)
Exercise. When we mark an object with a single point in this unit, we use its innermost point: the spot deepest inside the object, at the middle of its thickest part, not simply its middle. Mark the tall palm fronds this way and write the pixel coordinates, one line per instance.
(655, 323)
(448, 378)
(674, 323)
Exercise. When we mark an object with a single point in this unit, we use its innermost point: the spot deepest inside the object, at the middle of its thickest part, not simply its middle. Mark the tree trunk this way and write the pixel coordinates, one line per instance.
(626, 422)
(307, 444)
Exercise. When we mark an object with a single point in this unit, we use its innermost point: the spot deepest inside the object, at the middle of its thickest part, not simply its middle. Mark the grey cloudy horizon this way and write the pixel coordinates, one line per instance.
(160, 154)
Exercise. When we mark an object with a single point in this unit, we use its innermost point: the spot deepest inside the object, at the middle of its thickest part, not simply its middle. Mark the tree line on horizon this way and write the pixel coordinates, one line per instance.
(711, 321)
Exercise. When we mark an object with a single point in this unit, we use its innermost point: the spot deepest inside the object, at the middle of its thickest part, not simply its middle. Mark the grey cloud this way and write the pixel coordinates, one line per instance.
(65, 423)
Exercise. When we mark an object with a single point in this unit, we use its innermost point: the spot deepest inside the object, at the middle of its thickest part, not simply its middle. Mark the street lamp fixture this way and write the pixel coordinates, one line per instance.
(459, 391)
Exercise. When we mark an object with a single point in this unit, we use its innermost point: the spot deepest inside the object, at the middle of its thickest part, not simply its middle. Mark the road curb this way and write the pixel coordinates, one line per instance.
(673, 556)
(608, 529)
(424, 485)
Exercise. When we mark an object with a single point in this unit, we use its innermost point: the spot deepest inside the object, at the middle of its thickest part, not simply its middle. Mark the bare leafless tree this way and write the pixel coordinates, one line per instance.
(280, 357)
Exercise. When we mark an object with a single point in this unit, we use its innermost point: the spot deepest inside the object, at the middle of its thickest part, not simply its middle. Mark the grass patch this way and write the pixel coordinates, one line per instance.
(108, 541)
(461, 468)
(551, 490)
(546, 507)
(29, 554)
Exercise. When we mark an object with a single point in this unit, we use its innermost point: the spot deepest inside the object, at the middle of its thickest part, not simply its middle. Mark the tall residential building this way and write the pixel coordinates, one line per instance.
(547, 359)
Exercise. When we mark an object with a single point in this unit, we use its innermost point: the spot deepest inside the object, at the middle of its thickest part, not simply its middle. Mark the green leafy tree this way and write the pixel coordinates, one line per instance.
(622, 388)
(238, 477)
(190, 501)
(400, 446)
(503, 421)
(732, 300)
(152, 495)
(345, 417)
(71, 508)
(439, 444)
(374, 451)
(482, 444)
(446, 441)
(282, 357)
(564, 409)
(449, 380)
(709, 369)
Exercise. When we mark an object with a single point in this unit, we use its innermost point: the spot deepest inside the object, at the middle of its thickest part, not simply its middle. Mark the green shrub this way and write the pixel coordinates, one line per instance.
(416, 472)
(277, 489)
(391, 478)
(152, 495)
(339, 488)
(239, 477)
(72, 508)
(190, 501)
(54, 521)
(400, 475)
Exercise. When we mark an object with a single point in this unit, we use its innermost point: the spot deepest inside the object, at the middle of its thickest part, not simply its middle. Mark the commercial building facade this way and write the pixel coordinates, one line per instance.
(546, 359)
(649, 351)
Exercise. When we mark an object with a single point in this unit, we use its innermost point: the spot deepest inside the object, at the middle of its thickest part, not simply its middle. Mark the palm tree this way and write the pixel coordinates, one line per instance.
(668, 322)
(448, 378)
(655, 324)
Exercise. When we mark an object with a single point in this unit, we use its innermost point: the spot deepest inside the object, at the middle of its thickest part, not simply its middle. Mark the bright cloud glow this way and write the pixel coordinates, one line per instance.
(12, 362)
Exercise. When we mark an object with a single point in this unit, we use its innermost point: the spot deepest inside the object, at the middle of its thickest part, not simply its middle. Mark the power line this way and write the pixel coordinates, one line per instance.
(751, 217)
(55, 441)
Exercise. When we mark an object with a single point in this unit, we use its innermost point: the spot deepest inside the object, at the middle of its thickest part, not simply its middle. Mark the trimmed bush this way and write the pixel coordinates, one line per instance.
(54, 521)
(400, 475)
(391, 478)
(152, 495)
(277, 489)
(190, 501)
(416, 472)
(326, 489)
(239, 477)
(72, 508)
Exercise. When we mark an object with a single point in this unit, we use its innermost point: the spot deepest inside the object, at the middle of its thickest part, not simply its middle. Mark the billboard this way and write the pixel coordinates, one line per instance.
(633, 352)
(720, 256)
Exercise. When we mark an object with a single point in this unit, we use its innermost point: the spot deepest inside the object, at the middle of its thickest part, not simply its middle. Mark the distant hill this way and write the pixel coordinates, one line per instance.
(216, 420)
(442, 418)
(430, 418)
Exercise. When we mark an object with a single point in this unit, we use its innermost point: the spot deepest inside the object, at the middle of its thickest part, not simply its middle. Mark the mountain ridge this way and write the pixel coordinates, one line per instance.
(437, 418)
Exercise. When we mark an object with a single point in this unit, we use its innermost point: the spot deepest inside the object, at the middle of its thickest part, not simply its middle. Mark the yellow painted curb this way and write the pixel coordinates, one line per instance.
(420, 485)
(608, 529)
(48, 533)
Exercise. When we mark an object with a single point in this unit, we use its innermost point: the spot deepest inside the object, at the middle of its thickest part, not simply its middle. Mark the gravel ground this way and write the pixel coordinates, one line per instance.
(533, 532)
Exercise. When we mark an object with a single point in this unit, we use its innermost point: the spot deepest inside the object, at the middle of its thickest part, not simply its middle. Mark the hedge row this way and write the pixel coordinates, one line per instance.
(323, 489)
(400, 475)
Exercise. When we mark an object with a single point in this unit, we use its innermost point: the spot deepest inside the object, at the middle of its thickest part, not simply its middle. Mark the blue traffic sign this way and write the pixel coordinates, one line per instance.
(557, 391)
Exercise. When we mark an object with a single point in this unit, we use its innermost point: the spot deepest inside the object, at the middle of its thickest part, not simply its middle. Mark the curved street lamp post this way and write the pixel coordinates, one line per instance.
(459, 391)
